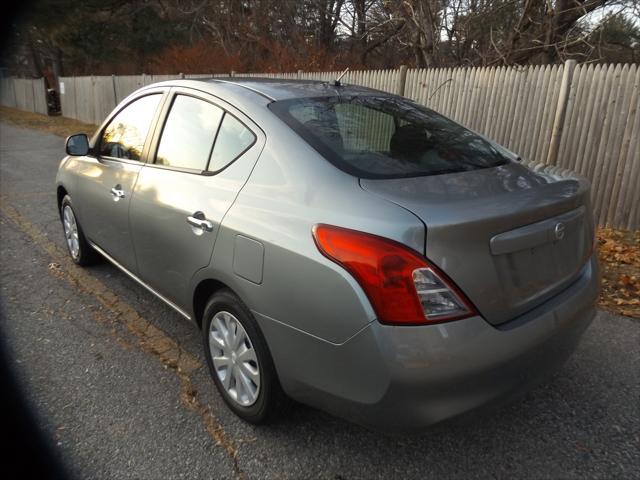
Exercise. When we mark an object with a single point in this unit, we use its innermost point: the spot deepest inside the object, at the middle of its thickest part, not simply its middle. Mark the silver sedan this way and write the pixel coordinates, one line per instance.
(337, 245)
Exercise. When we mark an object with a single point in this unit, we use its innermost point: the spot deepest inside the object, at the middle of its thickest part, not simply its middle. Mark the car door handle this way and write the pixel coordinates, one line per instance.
(198, 220)
(117, 192)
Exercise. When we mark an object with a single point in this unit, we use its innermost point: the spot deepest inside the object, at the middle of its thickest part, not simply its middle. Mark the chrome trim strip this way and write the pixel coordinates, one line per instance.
(134, 277)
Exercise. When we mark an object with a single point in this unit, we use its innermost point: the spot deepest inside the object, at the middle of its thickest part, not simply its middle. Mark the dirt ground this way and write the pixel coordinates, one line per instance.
(619, 252)
(57, 125)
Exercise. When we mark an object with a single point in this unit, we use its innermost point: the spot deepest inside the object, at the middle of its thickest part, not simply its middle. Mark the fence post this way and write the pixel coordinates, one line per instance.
(561, 108)
(94, 99)
(300, 72)
(33, 97)
(15, 93)
(181, 75)
(115, 94)
(42, 97)
(232, 73)
(75, 99)
(402, 80)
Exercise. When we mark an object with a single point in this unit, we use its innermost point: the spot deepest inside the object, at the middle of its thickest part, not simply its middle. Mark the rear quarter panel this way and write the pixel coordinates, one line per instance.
(290, 190)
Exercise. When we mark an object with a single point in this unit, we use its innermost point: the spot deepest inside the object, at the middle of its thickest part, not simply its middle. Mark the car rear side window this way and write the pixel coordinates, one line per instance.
(373, 136)
(188, 134)
(233, 139)
(125, 135)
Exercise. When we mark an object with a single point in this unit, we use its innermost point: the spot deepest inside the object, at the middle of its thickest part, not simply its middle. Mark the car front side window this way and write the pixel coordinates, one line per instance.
(125, 135)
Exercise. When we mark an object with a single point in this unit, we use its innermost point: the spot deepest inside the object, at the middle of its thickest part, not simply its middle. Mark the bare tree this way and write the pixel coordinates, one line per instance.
(120, 36)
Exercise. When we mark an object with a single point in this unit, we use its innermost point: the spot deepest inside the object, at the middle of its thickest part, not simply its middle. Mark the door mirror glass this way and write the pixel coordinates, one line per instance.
(77, 145)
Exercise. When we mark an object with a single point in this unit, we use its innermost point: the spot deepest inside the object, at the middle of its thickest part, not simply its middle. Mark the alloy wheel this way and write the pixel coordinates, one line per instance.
(71, 231)
(234, 359)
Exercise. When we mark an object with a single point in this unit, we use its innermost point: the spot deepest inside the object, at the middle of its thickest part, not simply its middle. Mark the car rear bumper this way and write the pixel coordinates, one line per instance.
(407, 378)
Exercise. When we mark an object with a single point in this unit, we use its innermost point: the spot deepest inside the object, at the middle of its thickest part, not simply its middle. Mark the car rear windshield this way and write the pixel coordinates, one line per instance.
(386, 136)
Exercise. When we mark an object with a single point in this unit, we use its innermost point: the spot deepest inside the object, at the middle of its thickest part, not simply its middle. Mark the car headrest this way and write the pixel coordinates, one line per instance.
(409, 139)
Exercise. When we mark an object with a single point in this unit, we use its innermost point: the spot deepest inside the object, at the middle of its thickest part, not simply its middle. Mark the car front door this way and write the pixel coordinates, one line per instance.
(106, 180)
(199, 162)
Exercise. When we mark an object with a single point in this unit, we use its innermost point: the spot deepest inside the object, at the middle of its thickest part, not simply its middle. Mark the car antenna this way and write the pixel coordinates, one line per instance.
(336, 82)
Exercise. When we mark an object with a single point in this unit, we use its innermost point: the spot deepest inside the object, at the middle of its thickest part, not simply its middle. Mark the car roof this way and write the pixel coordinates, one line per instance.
(281, 89)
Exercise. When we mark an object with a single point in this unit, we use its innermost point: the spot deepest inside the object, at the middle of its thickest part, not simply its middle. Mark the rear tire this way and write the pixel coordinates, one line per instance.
(239, 359)
(79, 249)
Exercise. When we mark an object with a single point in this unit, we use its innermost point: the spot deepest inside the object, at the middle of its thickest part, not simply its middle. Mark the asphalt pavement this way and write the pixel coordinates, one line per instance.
(121, 390)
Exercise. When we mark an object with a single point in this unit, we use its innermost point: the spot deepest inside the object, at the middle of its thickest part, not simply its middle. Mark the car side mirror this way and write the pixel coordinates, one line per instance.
(77, 145)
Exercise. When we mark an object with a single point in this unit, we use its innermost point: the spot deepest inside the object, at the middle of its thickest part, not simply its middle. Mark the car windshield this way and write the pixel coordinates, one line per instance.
(386, 136)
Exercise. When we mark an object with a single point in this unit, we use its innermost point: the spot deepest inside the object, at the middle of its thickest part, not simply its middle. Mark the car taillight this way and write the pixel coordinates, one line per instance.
(402, 286)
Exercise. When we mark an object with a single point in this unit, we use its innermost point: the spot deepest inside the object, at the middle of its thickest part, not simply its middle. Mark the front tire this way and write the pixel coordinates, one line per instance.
(79, 249)
(239, 359)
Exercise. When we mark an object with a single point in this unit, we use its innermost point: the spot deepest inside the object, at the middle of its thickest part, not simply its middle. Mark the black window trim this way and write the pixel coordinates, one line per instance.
(255, 139)
(161, 124)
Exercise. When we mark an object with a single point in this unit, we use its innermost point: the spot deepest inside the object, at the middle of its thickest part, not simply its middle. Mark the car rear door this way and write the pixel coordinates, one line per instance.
(106, 180)
(201, 158)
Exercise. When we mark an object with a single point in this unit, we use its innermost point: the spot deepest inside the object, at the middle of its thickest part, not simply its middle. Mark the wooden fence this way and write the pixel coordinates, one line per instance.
(91, 99)
(582, 118)
(24, 94)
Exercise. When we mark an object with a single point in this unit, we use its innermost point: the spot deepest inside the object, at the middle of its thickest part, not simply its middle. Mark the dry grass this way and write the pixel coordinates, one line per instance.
(57, 125)
(619, 250)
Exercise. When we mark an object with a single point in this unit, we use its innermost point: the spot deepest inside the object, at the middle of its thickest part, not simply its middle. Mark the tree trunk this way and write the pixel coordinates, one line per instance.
(57, 67)
(361, 31)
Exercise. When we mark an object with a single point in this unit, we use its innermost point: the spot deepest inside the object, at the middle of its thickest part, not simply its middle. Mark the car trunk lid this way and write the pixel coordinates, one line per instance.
(510, 238)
